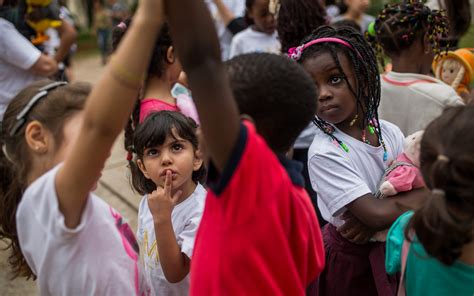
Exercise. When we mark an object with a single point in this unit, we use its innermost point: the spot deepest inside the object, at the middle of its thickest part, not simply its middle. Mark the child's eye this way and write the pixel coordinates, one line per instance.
(177, 147)
(335, 79)
(152, 152)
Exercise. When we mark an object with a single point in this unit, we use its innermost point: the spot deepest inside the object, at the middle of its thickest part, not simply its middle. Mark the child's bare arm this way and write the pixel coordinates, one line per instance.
(106, 112)
(197, 44)
(379, 214)
(174, 263)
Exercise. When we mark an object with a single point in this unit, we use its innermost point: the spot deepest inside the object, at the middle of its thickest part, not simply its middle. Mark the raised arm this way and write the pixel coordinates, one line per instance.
(198, 49)
(106, 112)
(67, 35)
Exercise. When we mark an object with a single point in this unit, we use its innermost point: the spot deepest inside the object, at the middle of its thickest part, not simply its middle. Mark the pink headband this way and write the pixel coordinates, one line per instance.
(295, 52)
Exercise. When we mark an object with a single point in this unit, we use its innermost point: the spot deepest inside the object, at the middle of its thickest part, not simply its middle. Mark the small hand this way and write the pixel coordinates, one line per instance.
(161, 202)
(353, 230)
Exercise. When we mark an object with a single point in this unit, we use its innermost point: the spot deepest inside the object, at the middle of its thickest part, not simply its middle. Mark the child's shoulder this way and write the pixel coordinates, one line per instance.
(243, 35)
(323, 145)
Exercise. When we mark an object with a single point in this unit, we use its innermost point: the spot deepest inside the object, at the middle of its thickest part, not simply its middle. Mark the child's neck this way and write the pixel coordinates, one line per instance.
(356, 132)
(187, 189)
(160, 88)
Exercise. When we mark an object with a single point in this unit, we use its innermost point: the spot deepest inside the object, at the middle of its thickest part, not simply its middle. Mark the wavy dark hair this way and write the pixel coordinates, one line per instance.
(297, 19)
(52, 111)
(153, 132)
(446, 222)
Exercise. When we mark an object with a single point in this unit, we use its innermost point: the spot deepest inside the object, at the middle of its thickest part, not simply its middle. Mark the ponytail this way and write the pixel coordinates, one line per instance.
(11, 191)
(446, 222)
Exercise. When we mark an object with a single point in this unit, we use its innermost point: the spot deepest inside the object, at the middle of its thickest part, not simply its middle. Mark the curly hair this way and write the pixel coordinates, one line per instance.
(446, 222)
(297, 19)
(276, 92)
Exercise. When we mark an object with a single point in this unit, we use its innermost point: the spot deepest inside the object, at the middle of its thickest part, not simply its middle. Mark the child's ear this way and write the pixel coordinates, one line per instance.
(142, 168)
(198, 160)
(38, 139)
(170, 55)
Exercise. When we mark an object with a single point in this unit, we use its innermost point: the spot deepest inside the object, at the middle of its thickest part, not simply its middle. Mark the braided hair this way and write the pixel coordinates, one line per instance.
(363, 60)
(399, 25)
(297, 19)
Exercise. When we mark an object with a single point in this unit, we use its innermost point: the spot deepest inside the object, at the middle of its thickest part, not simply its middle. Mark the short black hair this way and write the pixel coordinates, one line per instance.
(276, 92)
(248, 6)
(153, 132)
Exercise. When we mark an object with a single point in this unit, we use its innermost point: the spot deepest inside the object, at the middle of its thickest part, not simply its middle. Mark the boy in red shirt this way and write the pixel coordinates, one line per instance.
(259, 233)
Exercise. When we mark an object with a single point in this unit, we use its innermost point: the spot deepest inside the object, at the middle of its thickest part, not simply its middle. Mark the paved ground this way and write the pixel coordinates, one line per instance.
(113, 187)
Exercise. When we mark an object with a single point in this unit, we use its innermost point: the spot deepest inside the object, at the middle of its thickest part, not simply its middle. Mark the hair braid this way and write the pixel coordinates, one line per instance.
(363, 60)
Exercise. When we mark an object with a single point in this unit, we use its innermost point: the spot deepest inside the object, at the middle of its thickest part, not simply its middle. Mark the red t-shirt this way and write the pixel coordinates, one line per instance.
(259, 234)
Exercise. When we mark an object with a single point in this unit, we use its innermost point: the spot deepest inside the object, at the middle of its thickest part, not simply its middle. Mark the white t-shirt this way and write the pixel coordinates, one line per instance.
(250, 40)
(340, 177)
(185, 219)
(237, 7)
(98, 257)
(17, 56)
(412, 101)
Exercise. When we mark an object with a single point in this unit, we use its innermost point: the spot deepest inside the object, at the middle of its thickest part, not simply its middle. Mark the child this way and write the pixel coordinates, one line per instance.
(167, 170)
(61, 233)
(439, 238)
(101, 29)
(409, 34)
(260, 36)
(258, 233)
(347, 159)
(163, 73)
(296, 20)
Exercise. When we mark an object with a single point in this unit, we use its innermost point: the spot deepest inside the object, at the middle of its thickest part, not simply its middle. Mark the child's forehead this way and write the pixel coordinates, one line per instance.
(325, 61)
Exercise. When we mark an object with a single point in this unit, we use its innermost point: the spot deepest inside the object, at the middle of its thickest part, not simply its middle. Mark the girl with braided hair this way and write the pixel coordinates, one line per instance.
(436, 243)
(347, 159)
(409, 33)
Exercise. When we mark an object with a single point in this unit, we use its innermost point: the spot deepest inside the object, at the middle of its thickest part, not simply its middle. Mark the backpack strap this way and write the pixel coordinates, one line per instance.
(404, 258)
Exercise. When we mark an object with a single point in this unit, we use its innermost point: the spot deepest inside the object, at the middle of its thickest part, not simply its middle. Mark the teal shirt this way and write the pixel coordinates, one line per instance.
(424, 274)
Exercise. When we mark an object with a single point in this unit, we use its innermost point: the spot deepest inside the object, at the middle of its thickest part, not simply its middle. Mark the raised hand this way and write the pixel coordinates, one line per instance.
(162, 201)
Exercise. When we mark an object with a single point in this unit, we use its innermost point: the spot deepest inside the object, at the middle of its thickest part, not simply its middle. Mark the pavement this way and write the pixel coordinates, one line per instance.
(113, 187)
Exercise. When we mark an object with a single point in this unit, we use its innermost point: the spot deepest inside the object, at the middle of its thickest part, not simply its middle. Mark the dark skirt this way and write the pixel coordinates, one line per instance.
(353, 269)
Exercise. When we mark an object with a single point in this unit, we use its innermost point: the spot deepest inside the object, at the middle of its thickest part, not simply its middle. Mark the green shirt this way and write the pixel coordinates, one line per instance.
(425, 275)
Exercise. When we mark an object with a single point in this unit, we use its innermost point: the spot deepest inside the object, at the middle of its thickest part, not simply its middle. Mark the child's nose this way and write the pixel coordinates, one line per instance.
(166, 158)
(324, 94)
